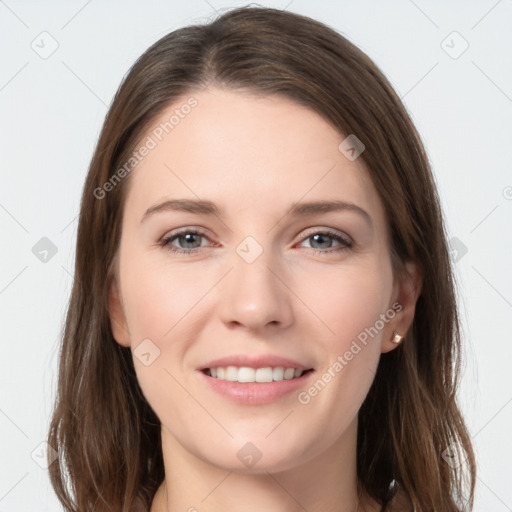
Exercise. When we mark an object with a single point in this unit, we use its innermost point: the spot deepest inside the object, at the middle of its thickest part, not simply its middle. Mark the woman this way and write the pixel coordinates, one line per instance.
(263, 314)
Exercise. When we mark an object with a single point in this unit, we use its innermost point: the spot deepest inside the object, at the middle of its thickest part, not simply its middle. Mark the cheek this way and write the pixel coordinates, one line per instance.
(158, 298)
(350, 307)
(350, 302)
(157, 303)
(348, 344)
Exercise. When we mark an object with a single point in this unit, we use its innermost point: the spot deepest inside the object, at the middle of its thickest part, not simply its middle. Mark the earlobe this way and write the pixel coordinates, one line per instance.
(118, 324)
(407, 292)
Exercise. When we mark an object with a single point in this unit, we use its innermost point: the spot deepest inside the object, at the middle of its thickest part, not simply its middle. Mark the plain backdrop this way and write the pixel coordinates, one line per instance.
(61, 63)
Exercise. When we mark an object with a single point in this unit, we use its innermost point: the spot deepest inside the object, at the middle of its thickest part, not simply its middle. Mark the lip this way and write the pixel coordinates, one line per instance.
(255, 362)
(255, 393)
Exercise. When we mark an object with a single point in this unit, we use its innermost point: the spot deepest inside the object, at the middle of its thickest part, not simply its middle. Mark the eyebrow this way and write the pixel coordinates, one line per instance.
(299, 209)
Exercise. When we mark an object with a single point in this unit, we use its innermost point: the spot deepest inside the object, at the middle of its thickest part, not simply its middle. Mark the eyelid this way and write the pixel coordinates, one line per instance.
(187, 229)
(328, 231)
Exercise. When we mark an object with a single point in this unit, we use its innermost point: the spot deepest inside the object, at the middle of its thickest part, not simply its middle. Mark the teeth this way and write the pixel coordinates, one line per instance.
(246, 374)
(278, 373)
(232, 373)
(289, 373)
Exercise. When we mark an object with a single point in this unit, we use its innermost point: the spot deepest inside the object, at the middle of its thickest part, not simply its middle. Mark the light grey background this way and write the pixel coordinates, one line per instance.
(52, 110)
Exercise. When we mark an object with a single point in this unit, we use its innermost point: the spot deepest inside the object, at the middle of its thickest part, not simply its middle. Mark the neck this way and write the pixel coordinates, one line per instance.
(326, 482)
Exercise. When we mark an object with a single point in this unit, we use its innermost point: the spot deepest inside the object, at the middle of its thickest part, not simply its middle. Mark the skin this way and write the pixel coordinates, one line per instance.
(254, 157)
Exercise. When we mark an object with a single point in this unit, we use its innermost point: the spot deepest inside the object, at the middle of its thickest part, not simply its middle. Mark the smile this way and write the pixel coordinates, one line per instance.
(248, 374)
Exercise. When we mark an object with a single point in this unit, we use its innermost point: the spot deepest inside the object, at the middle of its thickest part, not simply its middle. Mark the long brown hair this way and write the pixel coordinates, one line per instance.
(106, 434)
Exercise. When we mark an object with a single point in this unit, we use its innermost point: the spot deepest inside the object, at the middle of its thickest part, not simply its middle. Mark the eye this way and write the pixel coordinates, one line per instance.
(319, 238)
(191, 238)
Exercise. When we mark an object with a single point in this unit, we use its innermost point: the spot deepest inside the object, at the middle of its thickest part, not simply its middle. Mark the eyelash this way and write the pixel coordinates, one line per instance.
(346, 244)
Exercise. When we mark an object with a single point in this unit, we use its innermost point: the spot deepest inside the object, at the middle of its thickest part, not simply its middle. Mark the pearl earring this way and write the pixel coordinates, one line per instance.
(396, 338)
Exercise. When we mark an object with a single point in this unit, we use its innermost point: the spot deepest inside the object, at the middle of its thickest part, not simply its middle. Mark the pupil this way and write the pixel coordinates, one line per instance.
(321, 237)
(187, 237)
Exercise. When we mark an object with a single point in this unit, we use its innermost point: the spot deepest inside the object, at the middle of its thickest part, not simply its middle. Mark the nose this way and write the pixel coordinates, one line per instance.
(256, 294)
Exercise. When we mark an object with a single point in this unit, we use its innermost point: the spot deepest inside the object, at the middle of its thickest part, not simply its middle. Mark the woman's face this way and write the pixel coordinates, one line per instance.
(310, 290)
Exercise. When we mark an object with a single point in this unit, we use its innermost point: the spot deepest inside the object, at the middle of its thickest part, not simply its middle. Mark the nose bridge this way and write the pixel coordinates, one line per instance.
(255, 296)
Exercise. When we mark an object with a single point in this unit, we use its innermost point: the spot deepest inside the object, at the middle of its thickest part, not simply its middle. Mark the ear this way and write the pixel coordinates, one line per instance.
(406, 291)
(117, 317)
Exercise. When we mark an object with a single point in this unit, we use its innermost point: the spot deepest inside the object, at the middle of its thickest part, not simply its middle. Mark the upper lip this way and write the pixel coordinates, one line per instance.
(262, 361)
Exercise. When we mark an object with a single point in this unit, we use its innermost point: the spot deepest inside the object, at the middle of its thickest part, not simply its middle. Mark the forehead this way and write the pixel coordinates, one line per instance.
(245, 151)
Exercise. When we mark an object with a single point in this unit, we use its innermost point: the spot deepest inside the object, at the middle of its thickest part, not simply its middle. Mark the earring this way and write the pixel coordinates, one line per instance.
(396, 338)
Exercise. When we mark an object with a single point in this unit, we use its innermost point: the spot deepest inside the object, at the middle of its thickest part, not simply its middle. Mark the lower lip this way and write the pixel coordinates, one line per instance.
(255, 393)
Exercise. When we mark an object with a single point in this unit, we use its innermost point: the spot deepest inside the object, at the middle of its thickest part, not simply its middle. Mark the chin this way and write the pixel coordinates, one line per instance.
(256, 456)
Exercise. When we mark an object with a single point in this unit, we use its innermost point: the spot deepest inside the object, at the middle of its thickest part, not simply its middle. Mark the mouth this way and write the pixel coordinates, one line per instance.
(246, 374)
